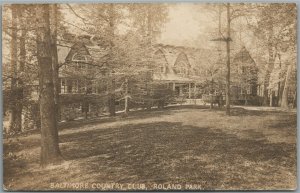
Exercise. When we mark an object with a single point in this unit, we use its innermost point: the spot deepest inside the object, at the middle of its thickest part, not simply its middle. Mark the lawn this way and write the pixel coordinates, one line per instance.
(177, 148)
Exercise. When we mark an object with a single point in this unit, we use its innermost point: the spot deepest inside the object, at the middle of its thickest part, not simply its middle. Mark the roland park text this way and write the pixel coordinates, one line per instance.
(123, 186)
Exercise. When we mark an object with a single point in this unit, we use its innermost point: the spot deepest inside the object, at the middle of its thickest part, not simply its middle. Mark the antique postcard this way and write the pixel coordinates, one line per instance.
(149, 96)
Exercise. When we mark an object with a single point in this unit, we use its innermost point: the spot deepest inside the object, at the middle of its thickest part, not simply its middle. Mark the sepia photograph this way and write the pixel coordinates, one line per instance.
(149, 96)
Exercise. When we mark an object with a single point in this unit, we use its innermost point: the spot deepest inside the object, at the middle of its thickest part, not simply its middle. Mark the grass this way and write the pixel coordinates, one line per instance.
(250, 150)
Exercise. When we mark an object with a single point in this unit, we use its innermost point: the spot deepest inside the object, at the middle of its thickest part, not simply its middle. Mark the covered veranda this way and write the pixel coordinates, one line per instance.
(182, 86)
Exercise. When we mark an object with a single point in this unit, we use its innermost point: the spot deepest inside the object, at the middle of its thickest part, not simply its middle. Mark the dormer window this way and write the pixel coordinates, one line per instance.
(82, 61)
(182, 65)
(82, 58)
(160, 62)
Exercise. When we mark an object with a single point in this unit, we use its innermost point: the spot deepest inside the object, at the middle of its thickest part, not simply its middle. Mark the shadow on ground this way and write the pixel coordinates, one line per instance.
(163, 152)
(140, 114)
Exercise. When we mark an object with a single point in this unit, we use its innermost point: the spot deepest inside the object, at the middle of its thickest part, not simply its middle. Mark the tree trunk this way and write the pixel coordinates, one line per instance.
(228, 62)
(148, 96)
(54, 21)
(149, 43)
(126, 110)
(86, 111)
(281, 92)
(295, 100)
(278, 94)
(279, 85)
(112, 100)
(85, 106)
(284, 100)
(271, 98)
(268, 72)
(211, 92)
(20, 97)
(149, 25)
(50, 153)
(13, 109)
(246, 100)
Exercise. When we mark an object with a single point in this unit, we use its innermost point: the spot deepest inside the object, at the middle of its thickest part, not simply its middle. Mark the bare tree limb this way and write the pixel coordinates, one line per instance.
(84, 20)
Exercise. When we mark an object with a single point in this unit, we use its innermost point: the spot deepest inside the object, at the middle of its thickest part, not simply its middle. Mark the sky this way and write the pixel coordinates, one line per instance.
(193, 25)
(188, 25)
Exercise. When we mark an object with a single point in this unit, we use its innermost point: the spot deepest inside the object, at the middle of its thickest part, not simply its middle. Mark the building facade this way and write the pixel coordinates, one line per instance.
(84, 75)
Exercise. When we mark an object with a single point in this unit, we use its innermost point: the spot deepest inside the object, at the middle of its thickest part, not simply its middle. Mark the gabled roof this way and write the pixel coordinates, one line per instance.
(62, 52)
(243, 57)
(77, 48)
(66, 51)
(195, 56)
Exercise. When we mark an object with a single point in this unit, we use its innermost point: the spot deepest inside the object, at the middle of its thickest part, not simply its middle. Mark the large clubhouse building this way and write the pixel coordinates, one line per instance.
(184, 70)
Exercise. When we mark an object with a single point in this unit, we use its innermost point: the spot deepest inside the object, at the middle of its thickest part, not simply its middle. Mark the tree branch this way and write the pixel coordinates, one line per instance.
(75, 26)
(84, 20)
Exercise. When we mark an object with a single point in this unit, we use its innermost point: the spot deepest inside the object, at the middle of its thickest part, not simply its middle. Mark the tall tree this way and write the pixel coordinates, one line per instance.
(26, 65)
(50, 153)
(111, 35)
(148, 20)
(228, 61)
(55, 66)
(14, 123)
(272, 32)
(284, 102)
(233, 11)
(21, 66)
(129, 49)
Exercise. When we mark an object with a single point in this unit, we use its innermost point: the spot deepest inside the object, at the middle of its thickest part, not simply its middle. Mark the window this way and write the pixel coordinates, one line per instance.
(89, 89)
(78, 58)
(74, 86)
(80, 65)
(88, 58)
(63, 86)
(102, 88)
(180, 70)
(182, 64)
(248, 89)
(81, 86)
(94, 87)
(69, 86)
(243, 69)
(82, 61)
(82, 58)
(242, 90)
(161, 69)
